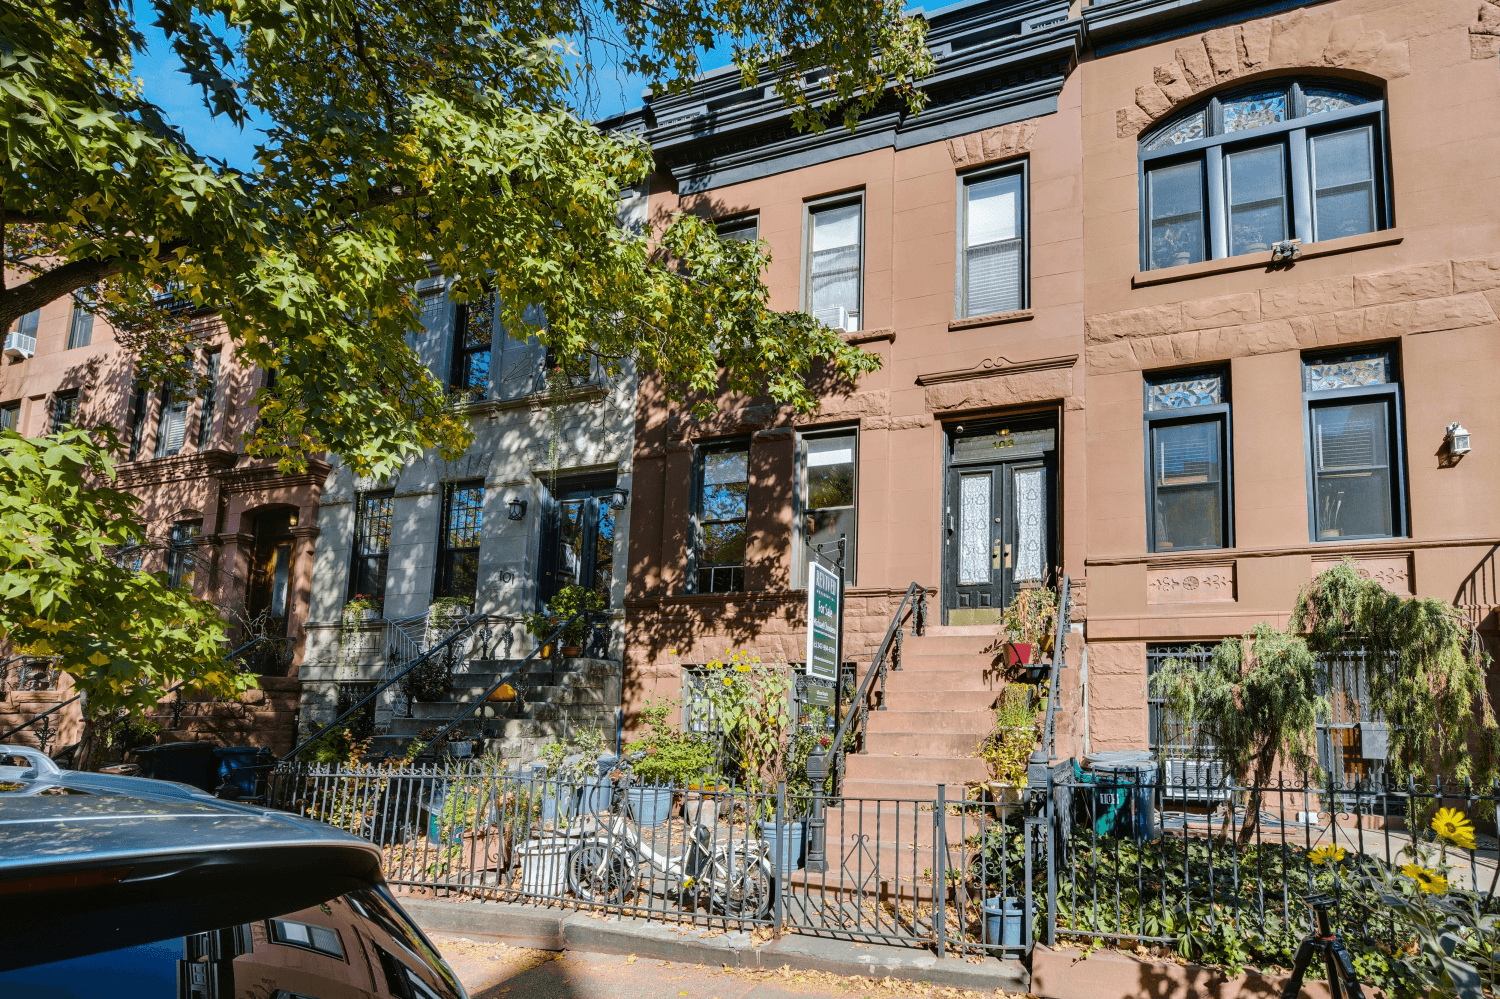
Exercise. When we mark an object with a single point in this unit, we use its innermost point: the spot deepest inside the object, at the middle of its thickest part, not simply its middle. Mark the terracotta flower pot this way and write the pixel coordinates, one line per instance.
(571, 651)
(1017, 653)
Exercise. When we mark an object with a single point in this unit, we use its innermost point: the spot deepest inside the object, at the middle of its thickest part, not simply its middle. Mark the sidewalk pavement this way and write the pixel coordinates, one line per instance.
(564, 929)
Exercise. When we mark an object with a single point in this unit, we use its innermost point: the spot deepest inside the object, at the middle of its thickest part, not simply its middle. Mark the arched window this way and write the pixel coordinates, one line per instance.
(1256, 165)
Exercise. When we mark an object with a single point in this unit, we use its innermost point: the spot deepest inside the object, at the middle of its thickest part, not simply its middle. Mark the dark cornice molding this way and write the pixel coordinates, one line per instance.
(988, 368)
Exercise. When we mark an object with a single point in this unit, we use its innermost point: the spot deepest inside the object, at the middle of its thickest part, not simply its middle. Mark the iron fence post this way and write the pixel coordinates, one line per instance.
(817, 822)
(782, 849)
(940, 869)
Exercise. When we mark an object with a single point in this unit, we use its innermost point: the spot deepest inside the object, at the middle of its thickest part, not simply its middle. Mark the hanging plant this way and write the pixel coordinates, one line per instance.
(1426, 670)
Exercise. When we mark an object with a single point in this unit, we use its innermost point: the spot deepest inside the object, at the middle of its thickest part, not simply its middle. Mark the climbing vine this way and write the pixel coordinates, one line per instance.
(1427, 670)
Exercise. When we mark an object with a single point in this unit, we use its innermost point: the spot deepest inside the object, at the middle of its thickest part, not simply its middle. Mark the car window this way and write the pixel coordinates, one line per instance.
(356, 944)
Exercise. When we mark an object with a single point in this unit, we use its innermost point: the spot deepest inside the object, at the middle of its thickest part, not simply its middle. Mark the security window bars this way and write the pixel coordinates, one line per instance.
(81, 326)
(1252, 167)
(171, 428)
(471, 350)
(1187, 417)
(64, 409)
(1354, 446)
(458, 542)
(210, 402)
(834, 259)
(1168, 735)
(723, 486)
(373, 513)
(826, 491)
(992, 273)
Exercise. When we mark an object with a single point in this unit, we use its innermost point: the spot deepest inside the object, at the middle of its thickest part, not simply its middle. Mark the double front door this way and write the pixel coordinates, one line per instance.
(998, 531)
(578, 537)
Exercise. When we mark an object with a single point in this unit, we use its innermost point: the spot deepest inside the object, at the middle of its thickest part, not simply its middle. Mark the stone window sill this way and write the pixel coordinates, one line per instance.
(994, 319)
(1262, 261)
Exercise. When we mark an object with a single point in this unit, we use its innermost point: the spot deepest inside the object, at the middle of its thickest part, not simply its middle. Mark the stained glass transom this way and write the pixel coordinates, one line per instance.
(1254, 111)
(974, 529)
(1186, 130)
(1185, 393)
(1347, 372)
(1319, 100)
(1031, 525)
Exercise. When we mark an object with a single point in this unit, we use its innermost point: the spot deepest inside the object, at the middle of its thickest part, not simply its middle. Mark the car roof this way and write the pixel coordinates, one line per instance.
(50, 816)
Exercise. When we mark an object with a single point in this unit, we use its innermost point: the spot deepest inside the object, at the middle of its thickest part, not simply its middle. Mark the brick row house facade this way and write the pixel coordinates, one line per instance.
(1182, 300)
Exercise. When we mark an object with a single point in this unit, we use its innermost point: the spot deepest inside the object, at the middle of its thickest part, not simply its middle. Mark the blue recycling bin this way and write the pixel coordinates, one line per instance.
(239, 770)
(1124, 799)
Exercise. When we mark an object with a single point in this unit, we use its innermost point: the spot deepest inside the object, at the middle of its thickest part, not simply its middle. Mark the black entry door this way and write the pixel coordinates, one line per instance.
(578, 539)
(999, 523)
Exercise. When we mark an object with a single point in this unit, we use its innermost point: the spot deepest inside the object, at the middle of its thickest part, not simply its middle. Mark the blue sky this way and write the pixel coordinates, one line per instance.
(218, 137)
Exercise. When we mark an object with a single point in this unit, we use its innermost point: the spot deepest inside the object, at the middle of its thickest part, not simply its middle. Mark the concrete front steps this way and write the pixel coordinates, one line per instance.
(554, 700)
(937, 711)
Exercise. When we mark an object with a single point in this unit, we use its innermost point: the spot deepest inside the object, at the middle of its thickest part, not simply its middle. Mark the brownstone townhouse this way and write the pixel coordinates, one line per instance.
(1182, 301)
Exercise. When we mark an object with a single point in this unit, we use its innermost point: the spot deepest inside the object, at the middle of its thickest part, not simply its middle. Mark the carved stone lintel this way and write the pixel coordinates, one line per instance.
(1392, 571)
(1190, 584)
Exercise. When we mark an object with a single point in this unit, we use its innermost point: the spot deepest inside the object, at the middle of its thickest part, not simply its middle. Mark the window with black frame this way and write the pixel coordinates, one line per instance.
(140, 402)
(10, 416)
(64, 409)
(182, 553)
(472, 344)
(373, 514)
(746, 227)
(210, 400)
(171, 427)
(1257, 165)
(992, 272)
(458, 542)
(723, 477)
(81, 325)
(1354, 447)
(1187, 436)
(826, 491)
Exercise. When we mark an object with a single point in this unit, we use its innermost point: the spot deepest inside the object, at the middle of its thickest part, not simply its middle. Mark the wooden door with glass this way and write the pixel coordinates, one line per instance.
(999, 523)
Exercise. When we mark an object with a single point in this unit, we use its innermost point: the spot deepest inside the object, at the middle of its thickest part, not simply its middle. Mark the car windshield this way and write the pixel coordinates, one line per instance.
(358, 944)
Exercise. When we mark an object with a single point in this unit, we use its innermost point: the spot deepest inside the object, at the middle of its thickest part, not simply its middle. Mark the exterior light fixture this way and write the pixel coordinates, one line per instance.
(1458, 439)
(517, 508)
(619, 498)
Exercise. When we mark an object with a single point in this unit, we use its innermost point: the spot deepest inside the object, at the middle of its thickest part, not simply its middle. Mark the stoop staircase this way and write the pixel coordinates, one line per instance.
(554, 699)
(937, 709)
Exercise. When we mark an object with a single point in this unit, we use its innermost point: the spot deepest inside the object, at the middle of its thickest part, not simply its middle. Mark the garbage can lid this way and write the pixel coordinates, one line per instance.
(177, 747)
(1119, 759)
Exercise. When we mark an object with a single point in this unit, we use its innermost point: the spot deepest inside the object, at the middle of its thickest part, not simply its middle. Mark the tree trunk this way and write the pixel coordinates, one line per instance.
(84, 753)
(1264, 760)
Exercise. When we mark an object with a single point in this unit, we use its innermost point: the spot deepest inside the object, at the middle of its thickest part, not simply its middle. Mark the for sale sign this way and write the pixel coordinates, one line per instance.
(822, 623)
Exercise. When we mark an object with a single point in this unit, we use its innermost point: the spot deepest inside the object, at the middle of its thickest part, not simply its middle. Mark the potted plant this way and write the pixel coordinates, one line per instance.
(664, 760)
(1007, 749)
(573, 785)
(568, 601)
(751, 701)
(362, 608)
(1027, 626)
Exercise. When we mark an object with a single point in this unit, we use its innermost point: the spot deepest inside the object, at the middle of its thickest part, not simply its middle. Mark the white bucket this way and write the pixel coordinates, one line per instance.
(544, 865)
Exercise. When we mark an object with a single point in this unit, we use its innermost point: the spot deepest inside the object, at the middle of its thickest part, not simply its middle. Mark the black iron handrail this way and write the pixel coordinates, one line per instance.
(171, 690)
(916, 595)
(437, 740)
(385, 684)
(1059, 656)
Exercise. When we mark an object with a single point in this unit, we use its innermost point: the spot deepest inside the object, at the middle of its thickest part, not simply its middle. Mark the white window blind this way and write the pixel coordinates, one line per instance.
(834, 273)
(992, 255)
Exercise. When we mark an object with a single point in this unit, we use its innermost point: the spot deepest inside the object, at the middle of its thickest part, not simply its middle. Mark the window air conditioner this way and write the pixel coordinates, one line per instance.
(1195, 780)
(19, 345)
(836, 317)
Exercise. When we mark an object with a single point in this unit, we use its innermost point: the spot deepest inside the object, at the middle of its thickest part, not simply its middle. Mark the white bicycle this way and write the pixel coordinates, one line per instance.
(607, 867)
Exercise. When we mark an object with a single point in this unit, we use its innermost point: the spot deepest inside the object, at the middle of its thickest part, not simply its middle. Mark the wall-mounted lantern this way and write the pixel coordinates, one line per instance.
(517, 508)
(1458, 440)
(619, 498)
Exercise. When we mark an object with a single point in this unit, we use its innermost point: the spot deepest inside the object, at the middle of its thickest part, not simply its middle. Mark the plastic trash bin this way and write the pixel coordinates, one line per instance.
(1124, 796)
(239, 769)
(184, 762)
(1002, 921)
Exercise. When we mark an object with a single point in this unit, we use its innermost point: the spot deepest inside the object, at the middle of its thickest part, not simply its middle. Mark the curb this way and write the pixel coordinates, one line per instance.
(561, 929)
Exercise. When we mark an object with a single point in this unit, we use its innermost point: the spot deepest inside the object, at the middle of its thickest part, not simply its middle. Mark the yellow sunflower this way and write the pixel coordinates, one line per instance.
(1328, 854)
(1454, 826)
(1426, 878)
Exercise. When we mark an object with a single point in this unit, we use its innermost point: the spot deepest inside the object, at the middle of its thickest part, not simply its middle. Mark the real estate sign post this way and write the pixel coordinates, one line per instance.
(822, 633)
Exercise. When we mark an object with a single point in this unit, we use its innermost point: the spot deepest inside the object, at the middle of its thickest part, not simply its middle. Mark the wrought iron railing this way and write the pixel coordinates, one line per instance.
(913, 608)
(1059, 662)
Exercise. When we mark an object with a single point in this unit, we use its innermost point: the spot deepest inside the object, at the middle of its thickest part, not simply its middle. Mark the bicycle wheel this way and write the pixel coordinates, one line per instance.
(740, 883)
(601, 873)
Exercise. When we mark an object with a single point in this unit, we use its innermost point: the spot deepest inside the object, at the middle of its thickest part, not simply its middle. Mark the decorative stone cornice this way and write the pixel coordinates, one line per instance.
(988, 368)
(175, 468)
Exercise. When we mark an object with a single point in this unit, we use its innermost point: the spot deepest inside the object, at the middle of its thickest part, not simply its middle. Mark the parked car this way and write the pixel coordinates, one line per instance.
(117, 887)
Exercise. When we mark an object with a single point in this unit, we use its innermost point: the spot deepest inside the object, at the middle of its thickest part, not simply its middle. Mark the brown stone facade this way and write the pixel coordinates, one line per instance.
(249, 529)
(1425, 285)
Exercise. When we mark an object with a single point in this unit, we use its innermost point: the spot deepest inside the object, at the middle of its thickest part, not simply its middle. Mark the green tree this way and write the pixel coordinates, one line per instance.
(124, 637)
(1256, 702)
(1426, 670)
(401, 135)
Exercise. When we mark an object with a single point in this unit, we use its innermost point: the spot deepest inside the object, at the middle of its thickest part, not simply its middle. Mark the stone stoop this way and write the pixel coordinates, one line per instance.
(938, 709)
(17, 707)
(554, 700)
(265, 715)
